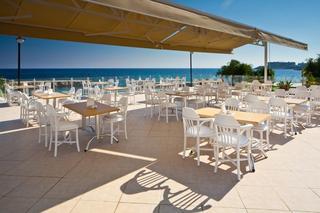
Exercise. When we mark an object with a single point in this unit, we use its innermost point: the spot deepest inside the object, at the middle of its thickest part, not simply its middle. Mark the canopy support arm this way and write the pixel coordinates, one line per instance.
(173, 34)
(265, 44)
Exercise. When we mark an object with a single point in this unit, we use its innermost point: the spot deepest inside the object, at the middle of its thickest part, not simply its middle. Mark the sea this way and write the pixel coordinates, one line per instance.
(122, 73)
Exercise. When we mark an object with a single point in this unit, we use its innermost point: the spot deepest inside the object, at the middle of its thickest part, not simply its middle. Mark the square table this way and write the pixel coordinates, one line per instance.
(47, 96)
(290, 101)
(82, 109)
(115, 89)
(181, 94)
(243, 117)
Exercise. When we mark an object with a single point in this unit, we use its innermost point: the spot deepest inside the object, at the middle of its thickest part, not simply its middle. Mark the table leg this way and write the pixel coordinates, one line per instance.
(54, 103)
(185, 101)
(98, 135)
(83, 123)
(47, 101)
(97, 126)
(115, 97)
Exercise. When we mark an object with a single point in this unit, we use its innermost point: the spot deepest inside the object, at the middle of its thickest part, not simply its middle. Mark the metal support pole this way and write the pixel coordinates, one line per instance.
(265, 61)
(191, 68)
(20, 41)
(19, 64)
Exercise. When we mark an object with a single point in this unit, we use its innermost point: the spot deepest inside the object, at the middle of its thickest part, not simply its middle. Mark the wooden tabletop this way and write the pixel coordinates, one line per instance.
(242, 117)
(115, 88)
(53, 95)
(181, 93)
(291, 101)
(24, 87)
(82, 109)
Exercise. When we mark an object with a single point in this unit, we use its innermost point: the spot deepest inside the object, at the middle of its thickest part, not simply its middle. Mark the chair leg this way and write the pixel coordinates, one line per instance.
(198, 151)
(77, 140)
(125, 129)
(216, 155)
(55, 144)
(145, 110)
(111, 132)
(177, 114)
(159, 113)
(285, 128)
(51, 140)
(238, 163)
(184, 146)
(39, 139)
(167, 114)
(267, 138)
(46, 136)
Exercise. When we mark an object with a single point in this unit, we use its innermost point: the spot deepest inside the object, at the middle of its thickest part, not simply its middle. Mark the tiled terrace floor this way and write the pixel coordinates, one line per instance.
(147, 174)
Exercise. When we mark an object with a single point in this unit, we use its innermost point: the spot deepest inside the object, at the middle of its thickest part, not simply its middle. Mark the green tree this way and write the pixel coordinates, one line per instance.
(234, 67)
(260, 72)
(2, 82)
(312, 70)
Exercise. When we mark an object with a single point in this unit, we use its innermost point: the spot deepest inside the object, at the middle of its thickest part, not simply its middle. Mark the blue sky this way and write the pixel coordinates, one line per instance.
(297, 19)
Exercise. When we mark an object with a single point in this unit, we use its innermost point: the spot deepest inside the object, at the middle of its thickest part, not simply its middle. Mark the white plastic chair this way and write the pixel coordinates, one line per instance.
(261, 107)
(150, 100)
(230, 134)
(280, 113)
(200, 100)
(78, 95)
(43, 122)
(249, 99)
(117, 118)
(302, 111)
(59, 125)
(281, 93)
(27, 108)
(165, 105)
(196, 127)
(232, 104)
(131, 92)
(47, 86)
(106, 99)
(314, 100)
(71, 92)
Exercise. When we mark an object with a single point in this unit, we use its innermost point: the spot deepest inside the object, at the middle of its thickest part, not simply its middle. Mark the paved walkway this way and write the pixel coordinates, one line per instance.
(146, 173)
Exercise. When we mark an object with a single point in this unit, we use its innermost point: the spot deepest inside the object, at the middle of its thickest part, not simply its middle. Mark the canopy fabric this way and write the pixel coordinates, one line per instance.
(134, 23)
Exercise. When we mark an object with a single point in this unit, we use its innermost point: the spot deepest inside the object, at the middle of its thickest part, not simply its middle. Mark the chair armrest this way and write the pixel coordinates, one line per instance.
(203, 121)
(246, 128)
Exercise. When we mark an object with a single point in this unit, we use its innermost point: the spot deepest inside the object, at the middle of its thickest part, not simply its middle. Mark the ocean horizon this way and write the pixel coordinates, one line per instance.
(135, 73)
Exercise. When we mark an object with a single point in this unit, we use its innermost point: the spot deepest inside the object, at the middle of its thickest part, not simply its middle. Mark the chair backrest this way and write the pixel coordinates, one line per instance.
(41, 113)
(238, 86)
(148, 95)
(72, 91)
(190, 120)
(258, 107)
(52, 117)
(232, 104)
(280, 93)
(278, 108)
(301, 88)
(315, 95)
(123, 105)
(97, 91)
(314, 87)
(78, 95)
(186, 89)
(226, 126)
(47, 85)
(301, 94)
(249, 98)
(106, 98)
(162, 98)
